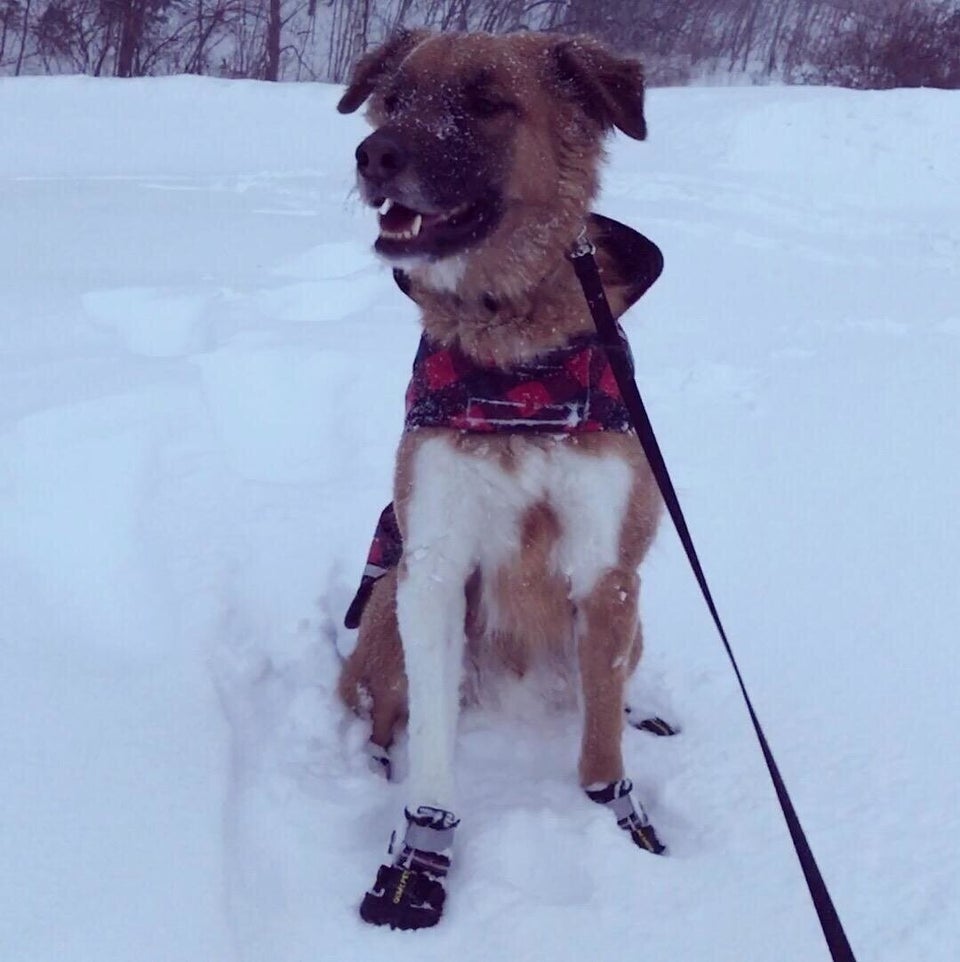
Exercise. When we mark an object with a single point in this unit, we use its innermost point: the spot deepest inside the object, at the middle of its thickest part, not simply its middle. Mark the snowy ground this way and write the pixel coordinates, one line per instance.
(202, 374)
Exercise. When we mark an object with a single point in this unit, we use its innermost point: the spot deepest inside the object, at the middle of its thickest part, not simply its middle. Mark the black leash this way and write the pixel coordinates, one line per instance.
(589, 276)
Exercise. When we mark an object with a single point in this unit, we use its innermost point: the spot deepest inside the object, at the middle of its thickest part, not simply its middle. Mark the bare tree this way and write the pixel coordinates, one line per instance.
(900, 44)
(25, 22)
(203, 26)
(854, 42)
(271, 69)
(9, 14)
(69, 36)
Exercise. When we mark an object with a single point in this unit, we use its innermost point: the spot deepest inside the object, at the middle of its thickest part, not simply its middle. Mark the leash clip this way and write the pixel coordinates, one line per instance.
(582, 245)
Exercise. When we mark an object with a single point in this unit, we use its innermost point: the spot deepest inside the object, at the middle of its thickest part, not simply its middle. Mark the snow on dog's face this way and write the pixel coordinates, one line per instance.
(486, 144)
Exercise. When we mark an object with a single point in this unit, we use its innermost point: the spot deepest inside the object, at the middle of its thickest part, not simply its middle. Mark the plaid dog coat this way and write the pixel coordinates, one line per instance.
(566, 391)
(570, 390)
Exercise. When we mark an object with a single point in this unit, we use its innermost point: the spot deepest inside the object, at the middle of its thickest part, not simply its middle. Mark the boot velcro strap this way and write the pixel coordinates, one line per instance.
(426, 838)
(430, 829)
(432, 864)
(623, 808)
(618, 797)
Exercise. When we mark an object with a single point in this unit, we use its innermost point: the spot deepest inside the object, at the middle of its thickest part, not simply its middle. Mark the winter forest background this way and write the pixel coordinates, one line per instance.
(853, 43)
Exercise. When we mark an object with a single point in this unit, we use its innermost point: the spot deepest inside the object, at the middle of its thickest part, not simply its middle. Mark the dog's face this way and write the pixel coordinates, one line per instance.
(484, 141)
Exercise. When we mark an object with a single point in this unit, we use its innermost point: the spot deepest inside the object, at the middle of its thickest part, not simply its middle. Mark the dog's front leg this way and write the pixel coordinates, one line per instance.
(601, 552)
(606, 628)
(431, 612)
(606, 625)
(441, 536)
(440, 539)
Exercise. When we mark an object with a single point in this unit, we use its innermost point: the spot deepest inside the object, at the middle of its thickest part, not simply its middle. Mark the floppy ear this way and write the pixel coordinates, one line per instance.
(609, 88)
(371, 67)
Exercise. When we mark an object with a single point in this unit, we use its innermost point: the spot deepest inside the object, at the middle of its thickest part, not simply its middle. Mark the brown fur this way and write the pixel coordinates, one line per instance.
(517, 296)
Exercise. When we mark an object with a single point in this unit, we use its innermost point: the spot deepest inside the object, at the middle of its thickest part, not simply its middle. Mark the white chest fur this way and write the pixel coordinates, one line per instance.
(466, 509)
(465, 512)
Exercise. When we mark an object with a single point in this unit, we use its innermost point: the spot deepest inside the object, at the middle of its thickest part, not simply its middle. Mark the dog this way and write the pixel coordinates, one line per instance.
(521, 534)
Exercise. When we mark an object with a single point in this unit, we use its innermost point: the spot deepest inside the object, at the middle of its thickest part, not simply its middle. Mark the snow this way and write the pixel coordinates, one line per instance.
(203, 369)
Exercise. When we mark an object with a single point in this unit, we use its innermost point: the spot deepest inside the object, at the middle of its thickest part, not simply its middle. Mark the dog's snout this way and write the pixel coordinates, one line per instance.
(381, 157)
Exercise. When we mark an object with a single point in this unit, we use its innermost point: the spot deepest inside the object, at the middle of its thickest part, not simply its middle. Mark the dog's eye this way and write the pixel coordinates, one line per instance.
(485, 105)
(390, 103)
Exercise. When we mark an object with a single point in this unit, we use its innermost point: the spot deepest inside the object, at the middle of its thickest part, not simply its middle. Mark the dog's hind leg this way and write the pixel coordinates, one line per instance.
(372, 680)
(637, 717)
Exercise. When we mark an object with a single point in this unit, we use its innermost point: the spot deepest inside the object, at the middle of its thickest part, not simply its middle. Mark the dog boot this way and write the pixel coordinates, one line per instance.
(654, 724)
(379, 759)
(409, 893)
(618, 797)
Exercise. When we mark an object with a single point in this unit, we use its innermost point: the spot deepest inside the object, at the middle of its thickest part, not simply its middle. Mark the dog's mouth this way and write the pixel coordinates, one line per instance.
(406, 232)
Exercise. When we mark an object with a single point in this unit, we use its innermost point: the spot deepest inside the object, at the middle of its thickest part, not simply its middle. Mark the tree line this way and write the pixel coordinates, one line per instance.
(855, 43)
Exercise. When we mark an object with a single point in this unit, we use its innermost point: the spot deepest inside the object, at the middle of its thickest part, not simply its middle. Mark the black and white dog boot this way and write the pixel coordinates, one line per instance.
(378, 758)
(653, 724)
(618, 797)
(409, 893)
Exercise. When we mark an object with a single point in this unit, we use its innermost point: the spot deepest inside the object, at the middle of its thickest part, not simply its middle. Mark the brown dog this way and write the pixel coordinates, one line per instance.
(522, 532)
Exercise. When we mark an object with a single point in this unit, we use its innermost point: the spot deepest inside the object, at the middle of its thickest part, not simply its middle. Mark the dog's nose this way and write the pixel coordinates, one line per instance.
(381, 156)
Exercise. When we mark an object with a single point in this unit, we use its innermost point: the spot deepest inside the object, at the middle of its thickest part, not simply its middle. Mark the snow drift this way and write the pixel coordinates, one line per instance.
(203, 369)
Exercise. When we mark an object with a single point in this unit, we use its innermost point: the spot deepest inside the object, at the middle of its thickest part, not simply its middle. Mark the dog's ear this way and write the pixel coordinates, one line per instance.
(375, 64)
(609, 88)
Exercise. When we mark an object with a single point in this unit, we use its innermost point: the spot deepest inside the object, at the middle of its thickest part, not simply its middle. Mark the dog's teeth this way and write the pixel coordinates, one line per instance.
(417, 224)
(397, 234)
(385, 206)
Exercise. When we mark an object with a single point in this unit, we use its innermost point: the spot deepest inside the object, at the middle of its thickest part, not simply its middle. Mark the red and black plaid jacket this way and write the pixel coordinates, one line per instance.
(566, 391)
